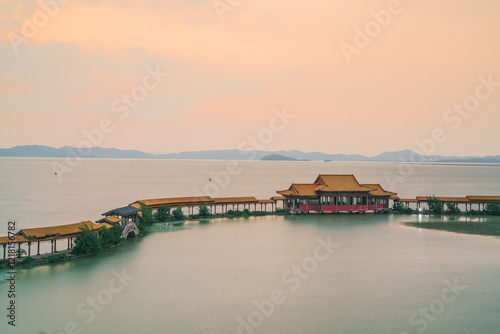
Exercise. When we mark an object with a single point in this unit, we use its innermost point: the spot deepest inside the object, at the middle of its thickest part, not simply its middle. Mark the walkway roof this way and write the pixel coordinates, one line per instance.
(124, 211)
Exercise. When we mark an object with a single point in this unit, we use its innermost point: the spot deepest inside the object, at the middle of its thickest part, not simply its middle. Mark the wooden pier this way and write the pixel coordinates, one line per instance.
(327, 194)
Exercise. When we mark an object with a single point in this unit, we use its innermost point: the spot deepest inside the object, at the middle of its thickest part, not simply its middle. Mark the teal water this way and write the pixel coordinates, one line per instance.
(220, 276)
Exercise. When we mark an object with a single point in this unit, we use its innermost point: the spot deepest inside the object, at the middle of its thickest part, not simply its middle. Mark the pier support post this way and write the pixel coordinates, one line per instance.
(29, 248)
(4, 251)
(38, 252)
(19, 250)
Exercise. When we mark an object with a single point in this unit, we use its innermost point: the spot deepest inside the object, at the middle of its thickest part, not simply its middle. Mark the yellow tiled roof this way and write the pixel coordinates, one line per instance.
(445, 199)
(378, 190)
(340, 183)
(231, 200)
(483, 199)
(174, 201)
(62, 230)
(300, 189)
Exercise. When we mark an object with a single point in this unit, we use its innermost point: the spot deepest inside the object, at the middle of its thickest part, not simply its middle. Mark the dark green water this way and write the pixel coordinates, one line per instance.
(259, 275)
(203, 279)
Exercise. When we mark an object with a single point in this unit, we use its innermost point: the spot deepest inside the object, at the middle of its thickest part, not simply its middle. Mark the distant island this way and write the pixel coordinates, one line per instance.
(41, 151)
(279, 157)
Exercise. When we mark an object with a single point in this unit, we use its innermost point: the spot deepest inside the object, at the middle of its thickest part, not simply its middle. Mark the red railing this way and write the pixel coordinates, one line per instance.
(336, 208)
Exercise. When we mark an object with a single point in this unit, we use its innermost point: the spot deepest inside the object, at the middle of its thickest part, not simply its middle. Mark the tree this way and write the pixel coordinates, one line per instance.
(178, 214)
(20, 252)
(493, 208)
(398, 206)
(163, 213)
(452, 208)
(147, 218)
(204, 212)
(111, 237)
(435, 204)
(87, 242)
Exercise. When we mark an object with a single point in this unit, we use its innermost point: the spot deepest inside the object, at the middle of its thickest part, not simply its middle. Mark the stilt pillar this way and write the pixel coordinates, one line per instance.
(38, 252)
(29, 248)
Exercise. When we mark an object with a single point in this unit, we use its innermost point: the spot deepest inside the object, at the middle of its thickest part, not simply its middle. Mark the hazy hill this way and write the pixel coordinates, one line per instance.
(99, 152)
(278, 157)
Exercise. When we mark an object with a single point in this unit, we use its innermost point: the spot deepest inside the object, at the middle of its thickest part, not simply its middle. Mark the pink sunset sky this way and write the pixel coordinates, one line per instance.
(230, 63)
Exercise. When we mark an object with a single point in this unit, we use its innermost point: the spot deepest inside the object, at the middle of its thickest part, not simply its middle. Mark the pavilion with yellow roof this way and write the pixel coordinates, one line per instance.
(336, 193)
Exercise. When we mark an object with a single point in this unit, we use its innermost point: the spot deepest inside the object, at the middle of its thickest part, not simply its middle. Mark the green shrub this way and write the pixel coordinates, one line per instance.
(163, 213)
(178, 214)
(493, 208)
(56, 257)
(204, 211)
(87, 242)
(435, 204)
(452, 208)
(147, 219)
(398, 206)
(28, 259)
(259, 213)
(5, 261)
(20, 252)
(110, 237)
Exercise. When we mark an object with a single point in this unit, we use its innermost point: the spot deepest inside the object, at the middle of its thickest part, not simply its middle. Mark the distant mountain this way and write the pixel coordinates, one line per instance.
(277, 157)
(51, 152)
(294, 155)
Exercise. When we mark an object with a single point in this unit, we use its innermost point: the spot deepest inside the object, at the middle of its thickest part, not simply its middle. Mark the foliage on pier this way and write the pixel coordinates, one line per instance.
(56, 257)
(493, 208)
(435, 204)
(204, 211)
(111, 237)
(400, 207)
(147, 219)
(178, 214)
(452, 208)
(87, 242)
(162, 214)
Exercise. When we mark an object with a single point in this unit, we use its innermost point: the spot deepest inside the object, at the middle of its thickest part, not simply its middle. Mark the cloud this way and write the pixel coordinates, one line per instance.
(225, 76)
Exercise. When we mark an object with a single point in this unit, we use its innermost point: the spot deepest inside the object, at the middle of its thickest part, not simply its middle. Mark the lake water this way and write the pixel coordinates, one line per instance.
(305, 274)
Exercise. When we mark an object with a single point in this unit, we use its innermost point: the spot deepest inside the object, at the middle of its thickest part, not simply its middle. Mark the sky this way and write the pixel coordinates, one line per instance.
(335, 76)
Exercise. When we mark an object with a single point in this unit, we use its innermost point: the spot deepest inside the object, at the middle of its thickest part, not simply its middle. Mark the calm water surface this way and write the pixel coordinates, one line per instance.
(212, 277)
